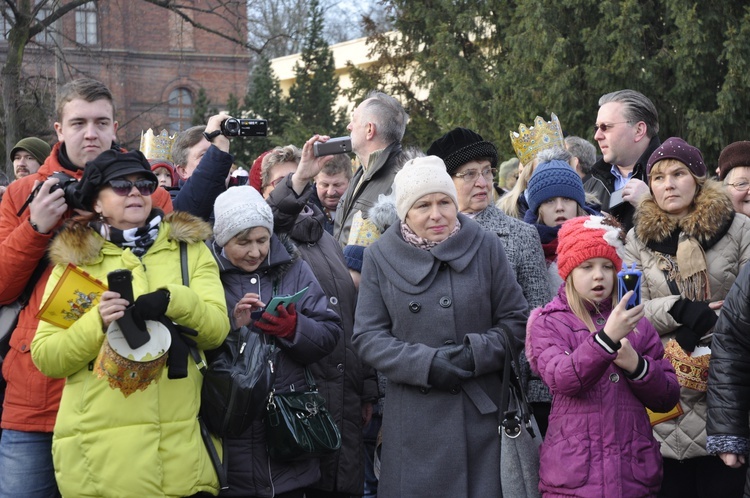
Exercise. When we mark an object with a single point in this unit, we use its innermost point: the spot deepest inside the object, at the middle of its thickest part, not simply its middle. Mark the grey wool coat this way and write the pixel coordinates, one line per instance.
(411, 302)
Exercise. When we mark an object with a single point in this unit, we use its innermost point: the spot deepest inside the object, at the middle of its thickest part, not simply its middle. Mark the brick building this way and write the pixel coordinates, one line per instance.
(153, 60)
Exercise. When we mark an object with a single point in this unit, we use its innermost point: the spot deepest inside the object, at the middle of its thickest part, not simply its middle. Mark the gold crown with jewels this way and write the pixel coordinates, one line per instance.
(528, 142)
(157, 147)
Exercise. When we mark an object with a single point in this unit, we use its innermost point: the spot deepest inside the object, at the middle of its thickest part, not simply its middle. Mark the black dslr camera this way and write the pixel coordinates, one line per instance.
(66, 182)
(233, 127)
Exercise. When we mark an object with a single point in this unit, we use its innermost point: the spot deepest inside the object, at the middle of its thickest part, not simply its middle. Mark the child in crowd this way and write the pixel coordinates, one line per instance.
(603, 364)
(555, 194)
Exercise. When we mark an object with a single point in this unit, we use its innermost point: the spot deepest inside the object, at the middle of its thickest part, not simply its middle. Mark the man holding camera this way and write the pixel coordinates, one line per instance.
(32, 209)
(377, 127)
(202, 160)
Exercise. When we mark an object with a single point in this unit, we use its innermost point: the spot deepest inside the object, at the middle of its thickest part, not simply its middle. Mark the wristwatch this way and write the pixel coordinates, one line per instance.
(210, 136)
(36, 227)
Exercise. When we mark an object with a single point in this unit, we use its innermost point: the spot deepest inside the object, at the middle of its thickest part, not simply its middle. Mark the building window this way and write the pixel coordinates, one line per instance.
(86, 24)
(180, 109)
(45, 37)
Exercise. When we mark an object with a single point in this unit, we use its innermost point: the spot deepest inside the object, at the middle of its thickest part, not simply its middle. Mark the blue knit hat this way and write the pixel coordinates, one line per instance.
(353, 256)
(554, 179)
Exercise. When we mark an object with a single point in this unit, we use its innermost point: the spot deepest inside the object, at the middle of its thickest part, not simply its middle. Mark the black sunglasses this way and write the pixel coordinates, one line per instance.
(123, 187)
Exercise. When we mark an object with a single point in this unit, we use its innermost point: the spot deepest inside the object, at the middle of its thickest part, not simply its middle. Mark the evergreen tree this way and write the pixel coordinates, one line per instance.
(201, 111)
(264, 101)
(492, 65)
(312, 98)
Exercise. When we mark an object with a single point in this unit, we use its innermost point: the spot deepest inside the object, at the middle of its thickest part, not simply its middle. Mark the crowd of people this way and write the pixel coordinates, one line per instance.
(418, 271)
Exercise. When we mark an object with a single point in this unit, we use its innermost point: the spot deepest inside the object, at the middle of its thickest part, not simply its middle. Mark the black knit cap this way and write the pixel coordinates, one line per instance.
(459, 146)
(109, 165)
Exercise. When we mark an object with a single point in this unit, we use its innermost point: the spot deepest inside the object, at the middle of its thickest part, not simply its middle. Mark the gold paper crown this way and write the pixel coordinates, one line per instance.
(157, 147)
(528, 142)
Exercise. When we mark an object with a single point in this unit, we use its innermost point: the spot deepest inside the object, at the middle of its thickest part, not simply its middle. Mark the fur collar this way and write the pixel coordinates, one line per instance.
(708, 220)
(78, 244)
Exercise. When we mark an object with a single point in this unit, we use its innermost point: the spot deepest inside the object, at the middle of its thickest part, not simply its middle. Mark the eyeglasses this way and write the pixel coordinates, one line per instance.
(604, 126)
(124, 187)
(471, 175)
(740, 186)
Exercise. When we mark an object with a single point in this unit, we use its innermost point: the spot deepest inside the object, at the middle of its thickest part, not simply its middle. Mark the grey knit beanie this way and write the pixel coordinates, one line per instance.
(238, 209)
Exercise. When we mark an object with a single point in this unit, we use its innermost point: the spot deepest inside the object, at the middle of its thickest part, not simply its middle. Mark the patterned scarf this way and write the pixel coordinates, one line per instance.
(138, 239)
(412, 238)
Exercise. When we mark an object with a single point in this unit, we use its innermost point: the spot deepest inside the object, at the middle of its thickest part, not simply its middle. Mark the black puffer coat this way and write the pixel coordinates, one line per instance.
(342, 378)
(251, 471)
(729, 375)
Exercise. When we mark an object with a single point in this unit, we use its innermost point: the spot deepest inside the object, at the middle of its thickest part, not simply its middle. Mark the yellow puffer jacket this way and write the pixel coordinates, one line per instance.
(149, 443)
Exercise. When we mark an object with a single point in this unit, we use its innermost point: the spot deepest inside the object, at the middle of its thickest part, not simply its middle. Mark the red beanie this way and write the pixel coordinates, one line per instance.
(588, 237)
(255, 179)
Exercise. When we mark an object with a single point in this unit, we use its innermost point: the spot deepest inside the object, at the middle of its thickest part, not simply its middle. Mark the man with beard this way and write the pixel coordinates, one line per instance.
(28, 154)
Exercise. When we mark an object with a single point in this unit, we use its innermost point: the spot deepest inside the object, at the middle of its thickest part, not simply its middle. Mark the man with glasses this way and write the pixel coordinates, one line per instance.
(626, 130)
(30, 214)
(202, 161)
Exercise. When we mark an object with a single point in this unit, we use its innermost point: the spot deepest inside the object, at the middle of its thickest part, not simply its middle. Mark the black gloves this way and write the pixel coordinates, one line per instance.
(179, 351)
(444, 373)
(464, 359)
(151, 306)
(696, 319)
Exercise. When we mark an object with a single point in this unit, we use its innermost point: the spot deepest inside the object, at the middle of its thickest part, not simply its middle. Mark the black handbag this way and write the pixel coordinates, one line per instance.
(298, 425)
(519, 434)
(237, 382)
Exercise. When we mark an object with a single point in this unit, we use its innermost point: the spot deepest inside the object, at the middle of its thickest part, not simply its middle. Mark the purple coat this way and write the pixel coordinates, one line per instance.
(599, 442)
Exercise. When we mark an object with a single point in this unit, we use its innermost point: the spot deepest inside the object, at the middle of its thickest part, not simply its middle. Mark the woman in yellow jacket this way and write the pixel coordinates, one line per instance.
(117, 434)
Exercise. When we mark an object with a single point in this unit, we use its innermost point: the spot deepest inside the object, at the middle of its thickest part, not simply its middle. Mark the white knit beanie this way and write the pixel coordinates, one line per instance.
(238, 209)
(419, 177)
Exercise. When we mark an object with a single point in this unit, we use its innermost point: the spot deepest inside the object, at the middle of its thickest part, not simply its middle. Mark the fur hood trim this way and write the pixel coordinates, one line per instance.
(383, 213)
(712, 211)
(78, 244)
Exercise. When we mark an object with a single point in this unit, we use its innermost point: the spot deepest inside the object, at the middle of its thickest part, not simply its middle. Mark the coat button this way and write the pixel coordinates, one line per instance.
(455, 389)
(613, 377)
(600, 321)
(334, 300)
(340, 367)
(424, 390)
(414, 307)
(443, 266)
(23, 347)
(445, 302)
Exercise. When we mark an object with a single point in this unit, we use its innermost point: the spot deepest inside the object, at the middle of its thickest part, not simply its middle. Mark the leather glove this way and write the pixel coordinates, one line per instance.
(464, 358)
(151, 306)
(179, 350)
(444, 374)
(282, 326)
(695, 314)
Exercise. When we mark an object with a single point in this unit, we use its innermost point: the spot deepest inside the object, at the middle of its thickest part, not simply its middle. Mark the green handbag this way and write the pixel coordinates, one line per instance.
(298, 425)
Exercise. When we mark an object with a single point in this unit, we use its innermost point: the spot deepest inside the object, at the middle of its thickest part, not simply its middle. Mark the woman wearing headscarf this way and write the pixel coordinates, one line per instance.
(115, 436)
(690, 245)
(436, 293)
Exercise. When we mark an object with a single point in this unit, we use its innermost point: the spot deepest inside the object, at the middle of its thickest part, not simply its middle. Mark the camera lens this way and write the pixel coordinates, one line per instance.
(232, 127)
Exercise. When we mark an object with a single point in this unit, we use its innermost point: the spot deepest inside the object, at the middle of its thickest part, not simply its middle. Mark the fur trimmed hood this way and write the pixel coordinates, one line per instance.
(707, 221)
(78, 244)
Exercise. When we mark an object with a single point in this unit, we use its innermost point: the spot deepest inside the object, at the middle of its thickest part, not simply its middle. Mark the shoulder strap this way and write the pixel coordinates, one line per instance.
(33, 280)
(221, 471)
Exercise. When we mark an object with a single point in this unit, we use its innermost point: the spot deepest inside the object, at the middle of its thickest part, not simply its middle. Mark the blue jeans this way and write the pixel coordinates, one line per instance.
(26, 463)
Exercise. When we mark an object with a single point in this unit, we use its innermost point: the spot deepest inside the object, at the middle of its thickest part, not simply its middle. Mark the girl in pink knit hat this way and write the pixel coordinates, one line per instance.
(603, 364)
